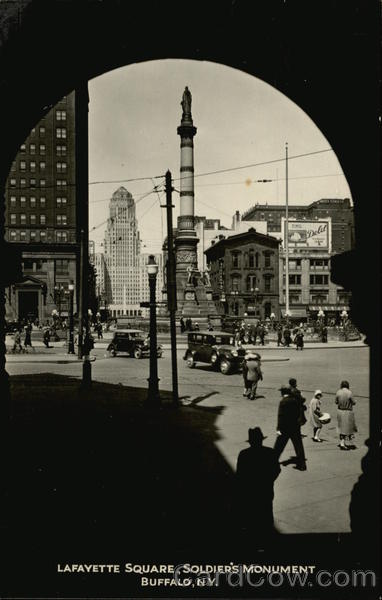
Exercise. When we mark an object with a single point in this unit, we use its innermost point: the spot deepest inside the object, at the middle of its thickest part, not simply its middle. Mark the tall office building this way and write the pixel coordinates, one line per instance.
(41, 216)
(122, 248)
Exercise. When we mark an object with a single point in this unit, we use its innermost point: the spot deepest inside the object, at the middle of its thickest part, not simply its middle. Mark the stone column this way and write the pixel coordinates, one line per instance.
(186, 240)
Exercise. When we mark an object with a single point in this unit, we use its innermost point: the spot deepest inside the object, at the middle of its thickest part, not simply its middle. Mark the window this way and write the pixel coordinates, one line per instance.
(32, 201)
(235, 259)
(23, 165)
(32, 219)
(235, 284)
(294, 264)
(251, 262)
(61, 150)
(12, 182)
(267, 261)
(251, 283)
(61, 201)
(22, 148)
(61, 167)
(13, 219)
(32, 236)
(62, 266)
(42, 236)
(42, 149)
(320, 298)
(61, 236)
(33, 131)
(42, 201)
(319, 264)
(42, 166)
(13, 166)
(293, 280)
(61, 115)
(257, 259)
(61, 183)
(23, 201)
(42, 219)
(61, 219)
(12, 236)
(61, 132)
(267, 284)
(32, 166)
(23, 219)
(294, 298)
(42, 183)
(23, 236)
(319, 279)
(32, 148)
(32, 182)
(42, 131)
(13, 200)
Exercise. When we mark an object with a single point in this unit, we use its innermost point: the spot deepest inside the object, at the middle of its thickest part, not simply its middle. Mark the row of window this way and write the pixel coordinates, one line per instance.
(60, 219)
(314, 263)
(61, 149)
(250, 284)
(317, 299)
(60, 183)
(61, 167)
(60, 131)
(36, 236)
(313, 279)
(60, 201)
(251, 260)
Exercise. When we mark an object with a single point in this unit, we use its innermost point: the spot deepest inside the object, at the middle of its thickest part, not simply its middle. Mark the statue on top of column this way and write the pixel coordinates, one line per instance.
(186, 102)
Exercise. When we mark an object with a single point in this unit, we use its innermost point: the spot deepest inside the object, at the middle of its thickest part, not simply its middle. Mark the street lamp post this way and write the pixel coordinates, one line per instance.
(71, 324)
(153, 398)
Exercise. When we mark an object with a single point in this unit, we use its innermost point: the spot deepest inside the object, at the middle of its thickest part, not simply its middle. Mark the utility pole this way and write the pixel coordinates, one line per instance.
(171, 288)
(82, 206)
(286, 235)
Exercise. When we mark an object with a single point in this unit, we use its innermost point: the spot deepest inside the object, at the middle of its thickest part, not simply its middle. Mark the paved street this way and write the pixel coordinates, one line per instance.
(313, 501)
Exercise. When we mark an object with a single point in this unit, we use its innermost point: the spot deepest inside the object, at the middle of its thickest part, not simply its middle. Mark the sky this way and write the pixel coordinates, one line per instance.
(134, 113)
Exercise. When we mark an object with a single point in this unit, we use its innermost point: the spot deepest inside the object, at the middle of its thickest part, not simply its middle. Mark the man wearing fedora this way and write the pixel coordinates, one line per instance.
(257, 469)
(288, 426)
(252, 374)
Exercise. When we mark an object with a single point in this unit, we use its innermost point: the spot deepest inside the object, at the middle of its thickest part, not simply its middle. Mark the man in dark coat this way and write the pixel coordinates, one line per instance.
(287, 337)
(293, 389)
(280, 335)
(288, 426)
(257, 469)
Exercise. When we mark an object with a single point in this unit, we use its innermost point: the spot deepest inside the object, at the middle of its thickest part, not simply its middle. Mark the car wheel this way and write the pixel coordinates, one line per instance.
(190, 361)
(225, 366)
(137, 353)
(113, 351)
(214, 360)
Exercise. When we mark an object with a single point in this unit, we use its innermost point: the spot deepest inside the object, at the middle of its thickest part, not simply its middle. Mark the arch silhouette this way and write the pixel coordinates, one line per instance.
(327, 67)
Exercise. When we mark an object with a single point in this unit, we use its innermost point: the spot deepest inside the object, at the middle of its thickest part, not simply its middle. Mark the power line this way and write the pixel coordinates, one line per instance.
(249, 181)
(267, 162)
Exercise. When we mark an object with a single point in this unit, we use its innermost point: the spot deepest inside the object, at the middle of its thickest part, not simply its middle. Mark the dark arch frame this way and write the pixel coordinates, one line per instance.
(329, 68)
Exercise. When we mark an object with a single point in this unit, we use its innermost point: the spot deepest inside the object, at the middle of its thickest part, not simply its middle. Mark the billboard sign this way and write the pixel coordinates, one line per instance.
(308, 234)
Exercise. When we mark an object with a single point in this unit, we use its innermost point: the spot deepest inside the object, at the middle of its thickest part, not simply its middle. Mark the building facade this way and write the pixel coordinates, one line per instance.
(122, 249)
(41, 217)
(244, 274)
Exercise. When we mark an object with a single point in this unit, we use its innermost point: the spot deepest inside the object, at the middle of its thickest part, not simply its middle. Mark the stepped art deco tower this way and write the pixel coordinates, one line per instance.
(194, 292)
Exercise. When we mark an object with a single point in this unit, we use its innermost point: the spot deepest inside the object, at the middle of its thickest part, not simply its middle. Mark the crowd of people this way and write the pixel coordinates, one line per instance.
(258, 467)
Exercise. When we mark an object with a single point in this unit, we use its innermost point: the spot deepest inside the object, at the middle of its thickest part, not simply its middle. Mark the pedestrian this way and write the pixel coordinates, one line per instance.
(288, 426)
(209, 326)
(345, 415)
(324, 334)
(99, 331)
(287, 337)
(280, 335)
(46, 337)
(189, 324)
(28, 335)
(261, 333)
(182, 325)
(299, 340)
(253, 373)
(257, 469)
(253, 333)
(315, 413)
(17, 341)
(297, 394)
(196, 326)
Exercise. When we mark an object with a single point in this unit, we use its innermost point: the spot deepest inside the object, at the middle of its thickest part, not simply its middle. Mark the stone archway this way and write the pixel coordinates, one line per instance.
(320, 80)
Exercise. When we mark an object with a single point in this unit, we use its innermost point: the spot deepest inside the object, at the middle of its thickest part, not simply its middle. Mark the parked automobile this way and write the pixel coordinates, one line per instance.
(132, 341)
(215, 348)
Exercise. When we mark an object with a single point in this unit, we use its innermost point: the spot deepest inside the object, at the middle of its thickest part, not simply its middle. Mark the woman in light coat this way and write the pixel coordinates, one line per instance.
(345, 415)
(314, 415)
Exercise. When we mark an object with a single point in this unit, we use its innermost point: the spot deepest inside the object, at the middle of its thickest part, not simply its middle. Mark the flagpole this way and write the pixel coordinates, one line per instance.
(286, 235)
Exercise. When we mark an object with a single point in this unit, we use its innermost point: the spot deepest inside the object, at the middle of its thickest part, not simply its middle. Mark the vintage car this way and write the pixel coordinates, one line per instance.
(133, 341)
(215, 348)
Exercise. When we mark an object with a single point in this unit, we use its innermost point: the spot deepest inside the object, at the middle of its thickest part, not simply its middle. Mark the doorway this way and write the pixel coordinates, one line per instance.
(28, 305)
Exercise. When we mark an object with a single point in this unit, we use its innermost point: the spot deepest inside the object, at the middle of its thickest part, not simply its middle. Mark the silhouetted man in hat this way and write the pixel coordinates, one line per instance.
(257, 469)
(288, 426)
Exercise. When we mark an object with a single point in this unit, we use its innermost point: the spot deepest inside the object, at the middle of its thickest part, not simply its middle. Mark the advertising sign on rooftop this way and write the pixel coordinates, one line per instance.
(308, 234)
